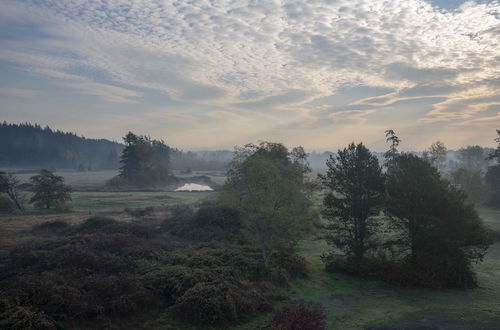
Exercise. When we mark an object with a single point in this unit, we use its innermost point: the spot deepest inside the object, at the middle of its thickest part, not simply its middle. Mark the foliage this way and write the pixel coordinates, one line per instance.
(49, 190)
(356, 196)
(472, 159)
(104, 268)
(212, 221)
(303, 315)
(31, 145)
(144, 162)
(471, 183)
(391, 154)
(16, 317)
(219, 303)
(140, 212)
(9, 185)
(51, 226)
(438, 233)
(496, 153)
(436, 155)
(6, 204)
(492, 178)
(268, 185)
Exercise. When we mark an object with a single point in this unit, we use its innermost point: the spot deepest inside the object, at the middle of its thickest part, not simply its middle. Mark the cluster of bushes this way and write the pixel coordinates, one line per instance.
(140, 212)
(211, 222)
(104, 268)
(6, 204)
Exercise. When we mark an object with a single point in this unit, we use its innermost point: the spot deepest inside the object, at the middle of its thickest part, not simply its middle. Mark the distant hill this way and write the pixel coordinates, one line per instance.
(31, 146)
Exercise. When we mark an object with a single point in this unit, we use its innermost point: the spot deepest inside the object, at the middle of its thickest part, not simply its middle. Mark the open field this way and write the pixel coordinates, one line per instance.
(95, 180)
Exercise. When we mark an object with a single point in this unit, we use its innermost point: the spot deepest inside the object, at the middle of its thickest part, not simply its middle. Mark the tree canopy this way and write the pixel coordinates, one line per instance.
(49, 190)
(268, 185)
(356, 194)
(439, 232)
(144, 161)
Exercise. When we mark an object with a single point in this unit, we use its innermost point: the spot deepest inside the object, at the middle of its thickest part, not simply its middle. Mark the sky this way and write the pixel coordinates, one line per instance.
(215, 74)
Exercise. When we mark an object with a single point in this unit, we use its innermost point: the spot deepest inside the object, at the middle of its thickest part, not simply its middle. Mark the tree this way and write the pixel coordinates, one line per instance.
(49, 190)
(144, 161)
(391, 154)
(356, 196)
(492, 177)
(472, 159)
(9, 185)
(268, 185)
(496, 153)
(436, 155)
(469, 174)
(440, 235)
(471, 183)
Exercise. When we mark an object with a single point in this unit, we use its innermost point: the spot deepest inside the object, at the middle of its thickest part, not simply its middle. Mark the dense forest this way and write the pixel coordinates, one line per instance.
(30, 145)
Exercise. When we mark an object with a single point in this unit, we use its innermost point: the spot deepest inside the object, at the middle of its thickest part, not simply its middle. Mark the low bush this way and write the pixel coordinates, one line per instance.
(6, 204)
(17, 317)
(219, 303)
(55, 226)
(298, 316)
(140, 212)
(211, 222)
(106, 268)
(294, 264)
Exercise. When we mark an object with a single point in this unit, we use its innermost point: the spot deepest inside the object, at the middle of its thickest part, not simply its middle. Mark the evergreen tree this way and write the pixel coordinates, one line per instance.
(144, 161)
(439, 233)
(492, 177)
(391, 154)
(354, 178)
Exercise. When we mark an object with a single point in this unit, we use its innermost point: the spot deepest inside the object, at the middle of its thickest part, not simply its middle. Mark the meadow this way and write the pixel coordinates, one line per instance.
(350, 302)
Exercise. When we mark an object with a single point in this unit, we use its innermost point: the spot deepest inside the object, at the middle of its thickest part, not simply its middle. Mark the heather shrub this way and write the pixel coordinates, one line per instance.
(103, 268)
(6, 204)
(219, 303)
(55, 226)
(211, 222)
(298, 316)
(140, 212)
(294, 264)
(17, 317)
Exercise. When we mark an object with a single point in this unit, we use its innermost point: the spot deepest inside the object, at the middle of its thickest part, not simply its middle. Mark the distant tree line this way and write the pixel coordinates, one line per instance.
(28, 145)
(31, 146)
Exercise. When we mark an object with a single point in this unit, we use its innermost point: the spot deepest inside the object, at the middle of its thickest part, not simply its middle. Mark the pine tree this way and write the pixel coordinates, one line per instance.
(356, 197)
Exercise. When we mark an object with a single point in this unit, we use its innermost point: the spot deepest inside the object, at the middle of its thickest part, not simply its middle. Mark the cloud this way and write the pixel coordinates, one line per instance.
(330, 61)
(18, 92)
